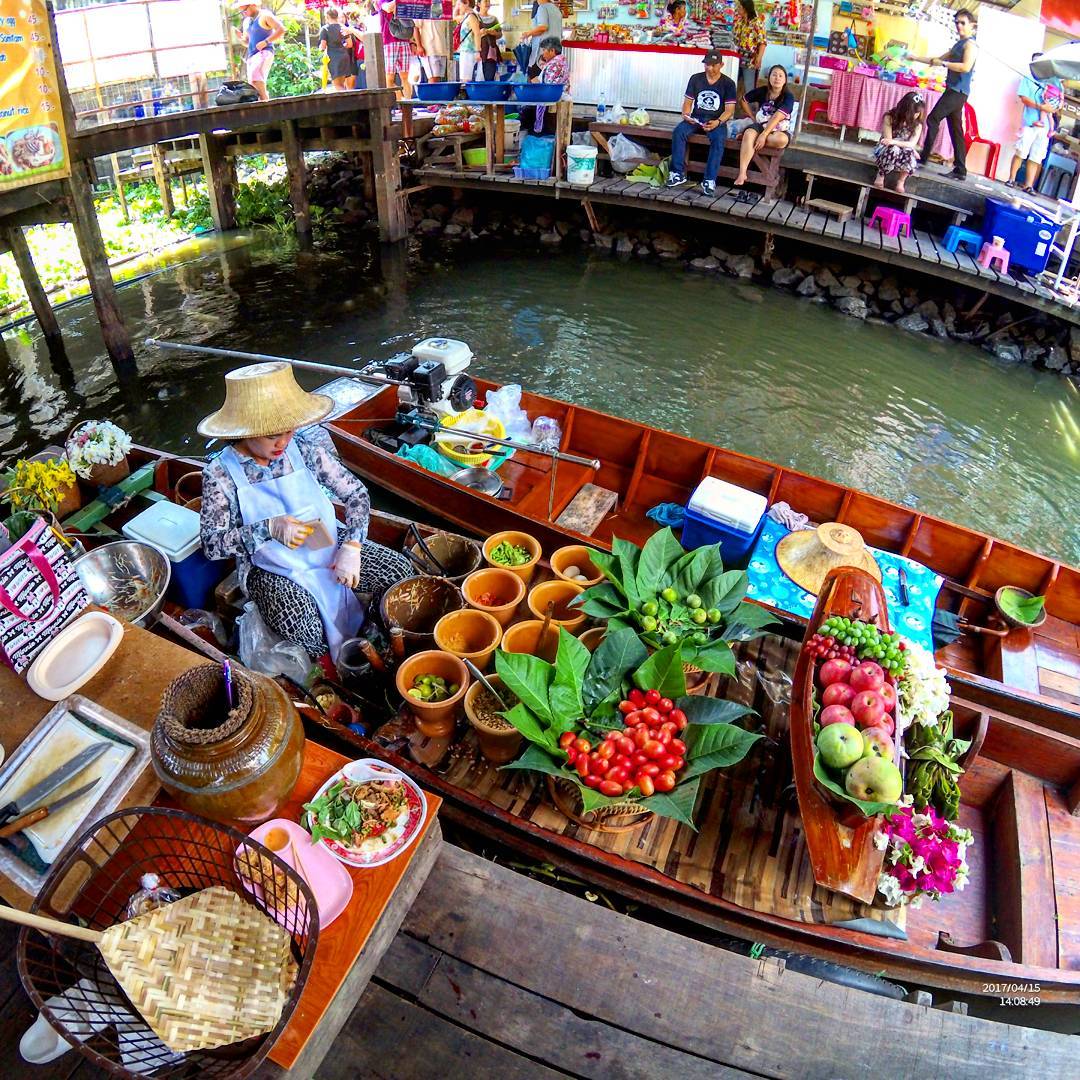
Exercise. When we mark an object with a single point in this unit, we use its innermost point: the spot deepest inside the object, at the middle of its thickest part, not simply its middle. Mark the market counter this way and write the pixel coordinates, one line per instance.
(652, 76)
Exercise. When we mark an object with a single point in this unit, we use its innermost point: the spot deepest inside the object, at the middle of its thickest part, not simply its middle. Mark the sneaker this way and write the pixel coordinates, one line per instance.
(956, 174)
(675, 179)
(708, 187)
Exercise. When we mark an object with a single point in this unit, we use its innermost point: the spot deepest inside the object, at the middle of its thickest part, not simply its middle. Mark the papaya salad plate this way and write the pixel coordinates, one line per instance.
(366, 814)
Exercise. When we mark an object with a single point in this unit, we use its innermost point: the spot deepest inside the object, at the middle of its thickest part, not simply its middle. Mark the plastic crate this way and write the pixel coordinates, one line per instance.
(531, 174)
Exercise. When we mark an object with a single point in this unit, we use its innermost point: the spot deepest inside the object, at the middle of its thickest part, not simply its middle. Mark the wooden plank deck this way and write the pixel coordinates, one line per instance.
(920, 252)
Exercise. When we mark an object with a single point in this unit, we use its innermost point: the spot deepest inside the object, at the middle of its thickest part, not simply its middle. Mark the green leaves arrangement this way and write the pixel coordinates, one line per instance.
(581, 692)
(1024, 609)
(933, 773)
(673, 597)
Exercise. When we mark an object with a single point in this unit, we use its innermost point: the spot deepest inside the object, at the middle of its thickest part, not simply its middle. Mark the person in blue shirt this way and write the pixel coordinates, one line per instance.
(707, 107)
(1041, 101)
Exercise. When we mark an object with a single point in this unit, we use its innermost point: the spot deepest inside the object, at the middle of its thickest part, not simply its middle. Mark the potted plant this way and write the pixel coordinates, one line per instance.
(33, 488)
(97, 451)
(675, 598)
(617, 725)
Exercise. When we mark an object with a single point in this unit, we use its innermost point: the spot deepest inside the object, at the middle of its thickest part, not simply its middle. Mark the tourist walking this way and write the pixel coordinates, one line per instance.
(748, 32)
(959, 63)
(432, 45)
(1041, 102)
(467, 39)
(397, 35)
(546, 22)
(707, 107)
(260, 31)
(337, 42)
(770, 108)
(901, 136)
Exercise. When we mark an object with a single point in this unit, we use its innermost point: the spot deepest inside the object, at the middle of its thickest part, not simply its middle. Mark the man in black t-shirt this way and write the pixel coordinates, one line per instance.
(707, 107)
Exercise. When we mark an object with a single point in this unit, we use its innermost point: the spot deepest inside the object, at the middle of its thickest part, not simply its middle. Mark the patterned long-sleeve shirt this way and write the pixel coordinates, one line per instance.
(224, 532)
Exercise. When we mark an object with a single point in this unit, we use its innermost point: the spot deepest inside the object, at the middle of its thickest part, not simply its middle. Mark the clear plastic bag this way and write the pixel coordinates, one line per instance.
(627, 155)
(194, 618)
(505, 405)
(263, 650)
(546, 433)
(639, 118)
(617, 115)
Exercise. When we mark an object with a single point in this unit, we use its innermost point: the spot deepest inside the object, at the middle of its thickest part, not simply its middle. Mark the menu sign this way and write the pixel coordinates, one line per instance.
(32, 145)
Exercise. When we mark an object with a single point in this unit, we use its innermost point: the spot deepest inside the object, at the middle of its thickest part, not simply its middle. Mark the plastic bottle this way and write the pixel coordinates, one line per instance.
(601, 108)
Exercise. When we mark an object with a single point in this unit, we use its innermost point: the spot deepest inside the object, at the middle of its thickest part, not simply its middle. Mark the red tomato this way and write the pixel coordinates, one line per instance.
(566, 738)
(654, 749)
(626, 745)
(665, 781)
(641, 736)
(622, 761)
(677, 746)
(647, 786)
(652, 769)
(571, 755)
(677, 716)
(582, 746)
(598, 765)
(663, 737)
(606, 749)
(591, 781)
(652, 717)
(668, 761)
(680, 763)
(665, 705)
(582, 765)
(618, 775)
(626, 706)
(609, 787)
(637, 697)
(640, 758)
(652, 697)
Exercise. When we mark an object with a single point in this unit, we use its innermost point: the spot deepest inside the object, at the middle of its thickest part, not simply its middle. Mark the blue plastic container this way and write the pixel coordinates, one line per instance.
(482, 90)
(1027, 234)
(438, 91)
(735, 546)
(538, 93)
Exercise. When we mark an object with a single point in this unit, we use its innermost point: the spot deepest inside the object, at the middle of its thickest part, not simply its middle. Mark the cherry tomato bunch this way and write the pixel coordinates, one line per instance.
(646, 753)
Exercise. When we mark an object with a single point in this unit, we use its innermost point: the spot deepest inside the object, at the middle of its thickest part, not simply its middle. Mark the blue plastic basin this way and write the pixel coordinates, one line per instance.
(438, 91)
(538, 93)
(482, 90)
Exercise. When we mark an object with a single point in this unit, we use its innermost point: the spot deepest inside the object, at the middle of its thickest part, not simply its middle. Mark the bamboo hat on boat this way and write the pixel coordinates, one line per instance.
(264, 399)
(807, 556)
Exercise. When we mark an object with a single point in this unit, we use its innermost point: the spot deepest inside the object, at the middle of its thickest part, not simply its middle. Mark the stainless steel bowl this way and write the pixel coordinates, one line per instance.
(127, 578)
(482, 480)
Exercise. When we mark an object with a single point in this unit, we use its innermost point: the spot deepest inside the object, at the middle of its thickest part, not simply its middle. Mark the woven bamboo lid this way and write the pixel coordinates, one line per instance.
(264, 399)
(808, 555)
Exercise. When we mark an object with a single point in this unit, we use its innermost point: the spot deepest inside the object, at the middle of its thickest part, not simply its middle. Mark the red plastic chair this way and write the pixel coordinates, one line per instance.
(816, 109)
(971, 137)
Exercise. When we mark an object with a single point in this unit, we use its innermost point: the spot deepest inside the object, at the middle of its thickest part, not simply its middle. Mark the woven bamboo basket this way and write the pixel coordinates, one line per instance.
(621, 817)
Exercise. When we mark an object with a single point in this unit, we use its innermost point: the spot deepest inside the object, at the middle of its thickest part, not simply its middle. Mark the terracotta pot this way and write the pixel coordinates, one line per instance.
(458, 555)
(559, 593)
(499, 740)
(591, 638)
(238, 764)
(526, 570)
(471, 634)
(575, 555)
(416, 605)
(508, 587)
(435, 719)
(104, 476)
(524, 637)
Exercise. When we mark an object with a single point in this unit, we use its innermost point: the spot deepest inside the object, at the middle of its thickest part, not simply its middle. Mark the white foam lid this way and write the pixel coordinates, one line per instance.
(174, 529)
(728, 504)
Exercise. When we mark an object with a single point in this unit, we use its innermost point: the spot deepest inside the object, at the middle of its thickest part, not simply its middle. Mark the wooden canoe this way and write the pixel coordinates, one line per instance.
(1032, 674)
(1016, 923)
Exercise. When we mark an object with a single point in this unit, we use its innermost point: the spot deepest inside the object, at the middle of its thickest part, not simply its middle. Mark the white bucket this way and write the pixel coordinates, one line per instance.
(580, 164)
(512, 129)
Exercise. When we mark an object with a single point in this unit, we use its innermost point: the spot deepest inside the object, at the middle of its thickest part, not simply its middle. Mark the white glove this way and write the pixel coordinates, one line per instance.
(288, 531)
(347, 564)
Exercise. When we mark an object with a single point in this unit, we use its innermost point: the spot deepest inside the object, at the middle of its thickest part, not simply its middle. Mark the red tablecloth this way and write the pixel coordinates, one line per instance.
(860, 101)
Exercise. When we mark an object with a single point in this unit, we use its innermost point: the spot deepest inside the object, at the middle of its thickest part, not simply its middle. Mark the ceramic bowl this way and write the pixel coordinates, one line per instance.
(75, 655)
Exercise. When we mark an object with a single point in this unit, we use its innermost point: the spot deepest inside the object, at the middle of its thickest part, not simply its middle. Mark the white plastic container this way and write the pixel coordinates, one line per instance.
(175, 531)
(728, 504)
(581, 165)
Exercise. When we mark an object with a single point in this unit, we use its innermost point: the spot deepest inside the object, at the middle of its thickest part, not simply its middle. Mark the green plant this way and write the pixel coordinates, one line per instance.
(292, 74)
(933, 773)
(580, 692)
(673, 597)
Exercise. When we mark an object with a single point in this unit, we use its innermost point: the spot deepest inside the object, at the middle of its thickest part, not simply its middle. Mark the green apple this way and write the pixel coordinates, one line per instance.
(873, 779)
(840, 745)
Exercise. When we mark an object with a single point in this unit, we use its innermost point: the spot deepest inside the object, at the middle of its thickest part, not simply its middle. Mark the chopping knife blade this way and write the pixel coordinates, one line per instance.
(905, 596)
(32, 799)
(42, 812)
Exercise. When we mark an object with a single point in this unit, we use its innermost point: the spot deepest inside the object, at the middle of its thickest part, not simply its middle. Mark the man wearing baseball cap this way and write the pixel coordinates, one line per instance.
(708, 106)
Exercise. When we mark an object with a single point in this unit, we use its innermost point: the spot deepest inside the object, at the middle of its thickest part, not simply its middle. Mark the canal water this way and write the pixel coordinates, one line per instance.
(940, 427)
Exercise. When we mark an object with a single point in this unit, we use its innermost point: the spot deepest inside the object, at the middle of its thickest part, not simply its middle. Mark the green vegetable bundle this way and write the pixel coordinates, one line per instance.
(933, 776)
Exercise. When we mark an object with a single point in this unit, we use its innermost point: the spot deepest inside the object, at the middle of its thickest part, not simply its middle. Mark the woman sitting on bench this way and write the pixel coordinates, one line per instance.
(769, 108)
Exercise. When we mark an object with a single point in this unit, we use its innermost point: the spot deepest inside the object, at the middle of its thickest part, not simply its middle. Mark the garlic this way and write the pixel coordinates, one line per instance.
(572, 572)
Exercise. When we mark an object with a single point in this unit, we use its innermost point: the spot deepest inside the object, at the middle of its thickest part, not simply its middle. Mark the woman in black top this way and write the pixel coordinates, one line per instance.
(769, 108)
(336, 41)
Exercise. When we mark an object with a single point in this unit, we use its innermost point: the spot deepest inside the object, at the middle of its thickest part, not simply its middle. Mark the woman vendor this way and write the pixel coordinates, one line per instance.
(263, 504)
(674, 22)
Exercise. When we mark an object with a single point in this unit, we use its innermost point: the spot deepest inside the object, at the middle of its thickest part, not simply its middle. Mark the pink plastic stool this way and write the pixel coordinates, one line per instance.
(890, 220)
(992, 253)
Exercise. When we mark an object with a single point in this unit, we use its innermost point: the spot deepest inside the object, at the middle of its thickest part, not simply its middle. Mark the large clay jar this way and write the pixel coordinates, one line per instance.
(238, 764)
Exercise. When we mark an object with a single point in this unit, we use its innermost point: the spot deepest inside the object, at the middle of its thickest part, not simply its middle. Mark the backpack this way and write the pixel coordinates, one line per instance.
(236, 92)
(402, 29)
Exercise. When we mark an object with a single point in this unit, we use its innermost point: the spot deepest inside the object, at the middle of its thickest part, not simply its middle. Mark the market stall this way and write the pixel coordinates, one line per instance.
(860, 101)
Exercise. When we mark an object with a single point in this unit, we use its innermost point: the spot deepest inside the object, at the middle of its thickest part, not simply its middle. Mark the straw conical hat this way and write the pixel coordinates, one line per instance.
(264, 399)
(807, 556)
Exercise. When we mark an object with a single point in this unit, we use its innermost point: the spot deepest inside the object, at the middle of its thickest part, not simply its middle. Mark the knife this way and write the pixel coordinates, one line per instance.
(43, 812)
(905, 596)
(32, 799)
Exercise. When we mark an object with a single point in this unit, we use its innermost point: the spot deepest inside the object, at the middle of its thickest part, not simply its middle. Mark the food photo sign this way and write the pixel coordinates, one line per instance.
(32, 142)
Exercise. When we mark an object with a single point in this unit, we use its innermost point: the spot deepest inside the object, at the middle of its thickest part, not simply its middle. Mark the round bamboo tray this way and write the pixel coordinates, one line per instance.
(621, 818)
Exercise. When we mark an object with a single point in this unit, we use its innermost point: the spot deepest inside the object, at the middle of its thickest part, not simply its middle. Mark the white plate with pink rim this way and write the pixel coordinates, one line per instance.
(375, 851)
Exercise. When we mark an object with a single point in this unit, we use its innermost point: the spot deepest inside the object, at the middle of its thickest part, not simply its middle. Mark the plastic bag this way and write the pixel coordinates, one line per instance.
(537, 151)
(194, 618)
(505, 405)
(626, 154)
(263, 650)
(582, 138)
(546, 433)
(617, 115)
(639, 118)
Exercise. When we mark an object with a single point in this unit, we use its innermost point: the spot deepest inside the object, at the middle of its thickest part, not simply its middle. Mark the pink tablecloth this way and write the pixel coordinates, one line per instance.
(860, 101)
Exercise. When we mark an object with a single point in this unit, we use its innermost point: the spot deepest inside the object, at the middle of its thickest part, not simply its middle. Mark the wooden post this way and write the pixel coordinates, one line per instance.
(161, 176)
(374, 62)
(46, 317)
(92, 249)
(384, 160)
(220, 173)
(564, 122)
(294, 161)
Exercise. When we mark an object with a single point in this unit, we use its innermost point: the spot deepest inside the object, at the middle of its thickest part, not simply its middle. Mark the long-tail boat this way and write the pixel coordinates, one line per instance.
(747, 871)
(1033, 674)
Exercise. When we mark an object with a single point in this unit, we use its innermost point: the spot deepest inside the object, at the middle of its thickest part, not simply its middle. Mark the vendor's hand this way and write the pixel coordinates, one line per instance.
(289, 531)
(347, 564)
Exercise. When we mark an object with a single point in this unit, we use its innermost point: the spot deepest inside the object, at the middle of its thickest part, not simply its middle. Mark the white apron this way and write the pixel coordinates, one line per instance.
(339, 608)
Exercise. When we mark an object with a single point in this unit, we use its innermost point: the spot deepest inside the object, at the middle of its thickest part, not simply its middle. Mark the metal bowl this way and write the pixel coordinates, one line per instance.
(482, 480)
(127, 578)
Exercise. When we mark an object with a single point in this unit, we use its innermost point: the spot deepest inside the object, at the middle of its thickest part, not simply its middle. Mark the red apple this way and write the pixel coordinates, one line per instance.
(836, 714)
(877, 741)
(834, 671)
(886, 722)
(888, 695)
(867, 676)
(838, 693)
(868, 708)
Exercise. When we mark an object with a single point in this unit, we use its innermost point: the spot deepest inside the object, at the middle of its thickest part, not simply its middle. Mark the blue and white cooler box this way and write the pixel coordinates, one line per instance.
(721, 513)
(175, 531)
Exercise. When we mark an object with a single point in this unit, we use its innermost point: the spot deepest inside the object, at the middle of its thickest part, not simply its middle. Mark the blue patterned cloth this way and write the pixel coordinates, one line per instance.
(770, 585)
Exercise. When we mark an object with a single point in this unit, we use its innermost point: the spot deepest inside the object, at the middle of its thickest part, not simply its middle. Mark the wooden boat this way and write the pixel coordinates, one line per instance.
(747, 873)
(1031, 673)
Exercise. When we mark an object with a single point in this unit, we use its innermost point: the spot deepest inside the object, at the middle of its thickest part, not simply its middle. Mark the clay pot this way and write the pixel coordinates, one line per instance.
(591, 638)
(499, 740)
(526, 570)
(416, 605)
(575, 555)
(508, 587)
(524, 637)
(559, 593)
(458, 555)
(471, 633)
(435, 719)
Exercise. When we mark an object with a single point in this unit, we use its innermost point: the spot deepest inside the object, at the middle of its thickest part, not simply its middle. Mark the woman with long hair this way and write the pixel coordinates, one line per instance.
(748, 31)
(769, 108)
(901, 136)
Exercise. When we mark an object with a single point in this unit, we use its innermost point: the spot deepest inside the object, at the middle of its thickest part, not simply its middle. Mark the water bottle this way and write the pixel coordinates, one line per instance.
(601, 109)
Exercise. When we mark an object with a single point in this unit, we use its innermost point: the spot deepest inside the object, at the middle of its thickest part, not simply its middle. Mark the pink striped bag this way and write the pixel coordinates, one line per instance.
(39, 593)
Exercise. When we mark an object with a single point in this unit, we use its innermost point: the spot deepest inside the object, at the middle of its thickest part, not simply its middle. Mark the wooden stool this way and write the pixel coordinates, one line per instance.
(890, 221)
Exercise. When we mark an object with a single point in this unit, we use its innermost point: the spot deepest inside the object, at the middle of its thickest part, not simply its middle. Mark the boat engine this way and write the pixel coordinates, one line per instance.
(432, 377)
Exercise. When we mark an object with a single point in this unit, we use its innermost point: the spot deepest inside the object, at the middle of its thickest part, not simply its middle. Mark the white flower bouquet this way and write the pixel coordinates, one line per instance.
(96, 443)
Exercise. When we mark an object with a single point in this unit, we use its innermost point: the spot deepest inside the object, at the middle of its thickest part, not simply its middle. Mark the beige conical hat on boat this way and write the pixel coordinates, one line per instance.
(264, 399)
(808, 555)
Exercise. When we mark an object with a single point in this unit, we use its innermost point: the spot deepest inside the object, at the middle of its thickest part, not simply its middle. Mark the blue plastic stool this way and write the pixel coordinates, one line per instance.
(956, 236)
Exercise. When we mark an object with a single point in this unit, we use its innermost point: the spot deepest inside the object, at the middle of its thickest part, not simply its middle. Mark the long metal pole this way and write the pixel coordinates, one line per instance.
(806, 72)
